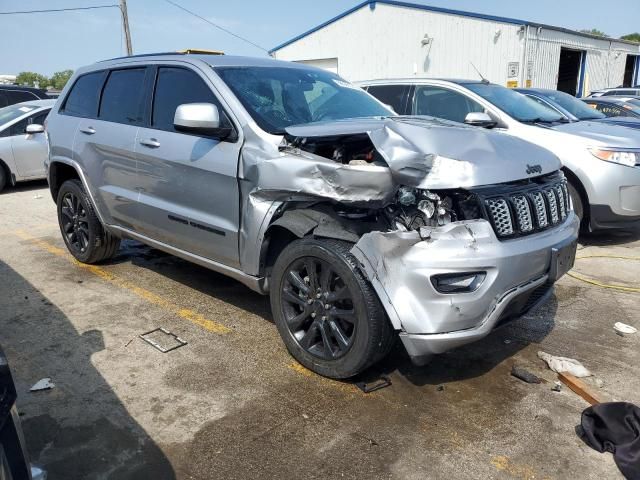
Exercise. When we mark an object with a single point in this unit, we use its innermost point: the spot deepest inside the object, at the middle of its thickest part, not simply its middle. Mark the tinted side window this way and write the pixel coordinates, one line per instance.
(443, 103)
(4, 101)
(83, 97)
(123, 97)
(39, 118)
(393, 95)
(19, 128)
(175, 86)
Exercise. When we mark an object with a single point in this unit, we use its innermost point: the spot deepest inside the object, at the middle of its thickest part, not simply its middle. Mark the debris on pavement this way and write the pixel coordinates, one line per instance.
(524, 375)
(623, 329)
(557, 386)
(440, 388)
(37, 197)
(382, 382)
(614, 427)
(564, 364)
(153, 337)
(42, 384)
(579, 387)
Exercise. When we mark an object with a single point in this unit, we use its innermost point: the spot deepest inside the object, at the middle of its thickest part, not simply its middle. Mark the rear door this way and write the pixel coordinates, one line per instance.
(188, 184)
(29, 150)
(105, 144)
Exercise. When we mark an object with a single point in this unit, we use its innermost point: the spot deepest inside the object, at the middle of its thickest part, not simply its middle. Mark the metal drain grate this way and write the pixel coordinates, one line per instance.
(163, 340)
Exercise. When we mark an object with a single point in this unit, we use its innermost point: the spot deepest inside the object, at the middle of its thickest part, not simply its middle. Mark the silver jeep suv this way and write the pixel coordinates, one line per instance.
(359, 223)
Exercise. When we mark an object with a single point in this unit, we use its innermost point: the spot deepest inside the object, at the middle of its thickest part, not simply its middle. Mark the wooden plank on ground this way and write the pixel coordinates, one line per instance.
(579, 387)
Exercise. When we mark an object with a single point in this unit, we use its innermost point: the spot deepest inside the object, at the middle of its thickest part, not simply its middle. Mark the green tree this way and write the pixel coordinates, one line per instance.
(594, 31)
(632, 37)
(59, 79)
(32, 79)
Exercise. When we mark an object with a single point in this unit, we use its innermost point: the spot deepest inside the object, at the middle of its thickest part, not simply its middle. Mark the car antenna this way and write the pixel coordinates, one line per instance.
(484, 80)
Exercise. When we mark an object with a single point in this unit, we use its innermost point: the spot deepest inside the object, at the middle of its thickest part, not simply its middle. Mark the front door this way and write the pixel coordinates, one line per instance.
(29, 150)
(189, 195)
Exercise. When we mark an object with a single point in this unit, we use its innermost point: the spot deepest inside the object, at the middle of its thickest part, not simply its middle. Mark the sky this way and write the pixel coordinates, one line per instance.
(49, 42)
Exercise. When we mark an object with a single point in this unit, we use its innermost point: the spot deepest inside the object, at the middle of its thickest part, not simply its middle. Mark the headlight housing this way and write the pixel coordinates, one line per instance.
(628, 157)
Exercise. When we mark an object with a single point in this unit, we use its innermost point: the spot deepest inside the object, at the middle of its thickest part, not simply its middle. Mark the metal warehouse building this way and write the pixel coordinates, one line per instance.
(393, 39)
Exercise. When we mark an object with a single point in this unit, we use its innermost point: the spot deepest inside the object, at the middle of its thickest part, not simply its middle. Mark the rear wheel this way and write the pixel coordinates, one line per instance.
(81, 229)
(327, 313)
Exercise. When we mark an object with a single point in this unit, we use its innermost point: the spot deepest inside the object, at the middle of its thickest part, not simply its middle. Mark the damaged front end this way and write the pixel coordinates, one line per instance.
(442, 217)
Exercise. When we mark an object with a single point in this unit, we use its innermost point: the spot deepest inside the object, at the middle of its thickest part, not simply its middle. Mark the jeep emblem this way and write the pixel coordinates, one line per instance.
(533, 169)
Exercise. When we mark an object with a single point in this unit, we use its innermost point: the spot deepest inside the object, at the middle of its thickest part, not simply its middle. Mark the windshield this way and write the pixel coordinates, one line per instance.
(277, 97)
(12, 112)
(575, 107)
(515, 105)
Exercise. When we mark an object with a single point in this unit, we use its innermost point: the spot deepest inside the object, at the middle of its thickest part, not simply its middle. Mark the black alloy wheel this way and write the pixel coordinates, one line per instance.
(318, 308)
(74, 222)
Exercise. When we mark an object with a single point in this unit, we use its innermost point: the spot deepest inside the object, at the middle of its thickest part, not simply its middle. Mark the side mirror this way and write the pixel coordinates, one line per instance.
(480, 119)
(200, 118)
(34, 128)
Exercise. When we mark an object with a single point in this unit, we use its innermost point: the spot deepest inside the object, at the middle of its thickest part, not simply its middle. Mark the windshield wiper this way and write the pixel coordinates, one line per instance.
(540, 120)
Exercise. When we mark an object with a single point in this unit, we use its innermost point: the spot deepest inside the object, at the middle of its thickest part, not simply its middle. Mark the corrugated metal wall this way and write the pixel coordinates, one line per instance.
(605, 59)
(387, 42)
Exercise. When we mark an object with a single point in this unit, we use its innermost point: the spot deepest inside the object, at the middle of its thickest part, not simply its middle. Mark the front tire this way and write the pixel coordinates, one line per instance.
(83, 234)
(3, 178)
(327, 313)
(578, 206)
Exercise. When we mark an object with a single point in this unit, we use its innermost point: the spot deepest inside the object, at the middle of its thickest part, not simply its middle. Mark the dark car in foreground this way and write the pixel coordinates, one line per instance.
(574, 109)
(12, 94)
(14, 460)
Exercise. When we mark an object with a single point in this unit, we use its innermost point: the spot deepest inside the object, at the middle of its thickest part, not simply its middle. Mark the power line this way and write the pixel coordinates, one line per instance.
(59, 9)
(217, 26)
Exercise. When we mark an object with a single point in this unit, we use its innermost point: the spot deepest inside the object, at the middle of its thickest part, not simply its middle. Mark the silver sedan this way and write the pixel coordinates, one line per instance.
(23, 146)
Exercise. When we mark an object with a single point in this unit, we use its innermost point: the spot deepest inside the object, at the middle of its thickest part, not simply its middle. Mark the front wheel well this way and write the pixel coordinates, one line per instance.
(573, 180)
(58, 174)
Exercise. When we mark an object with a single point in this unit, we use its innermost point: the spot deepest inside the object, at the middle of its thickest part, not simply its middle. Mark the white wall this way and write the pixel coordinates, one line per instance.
(387, 43)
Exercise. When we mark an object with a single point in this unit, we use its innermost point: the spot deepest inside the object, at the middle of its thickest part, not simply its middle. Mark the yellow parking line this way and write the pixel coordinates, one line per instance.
(185, 313)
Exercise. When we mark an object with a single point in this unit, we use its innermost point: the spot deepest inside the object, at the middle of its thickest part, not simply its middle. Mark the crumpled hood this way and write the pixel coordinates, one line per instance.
(428, 153)
(602, 134)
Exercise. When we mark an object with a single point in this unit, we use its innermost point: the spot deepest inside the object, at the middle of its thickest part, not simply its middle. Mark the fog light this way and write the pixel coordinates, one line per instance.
(466, 282)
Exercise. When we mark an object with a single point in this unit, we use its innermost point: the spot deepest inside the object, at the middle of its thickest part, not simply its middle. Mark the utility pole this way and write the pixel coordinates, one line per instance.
(125, 23)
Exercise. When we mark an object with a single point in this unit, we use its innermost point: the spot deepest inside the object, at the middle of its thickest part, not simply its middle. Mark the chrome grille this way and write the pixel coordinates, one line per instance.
(561, 203)
(553, 205)
(528, 209)
(541, 209)
(499, 211)
(523, 213)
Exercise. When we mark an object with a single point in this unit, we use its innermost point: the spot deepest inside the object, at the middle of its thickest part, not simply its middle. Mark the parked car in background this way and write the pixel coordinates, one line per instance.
(616, 92)
(361, 225)
(601, 164)
(14, 458)
(23, 146)
(11, 94)
(573, 109)
(613, 107)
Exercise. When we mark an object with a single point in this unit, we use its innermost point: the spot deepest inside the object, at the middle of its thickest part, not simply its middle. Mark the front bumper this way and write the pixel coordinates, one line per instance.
(614, 193)
(400, 266)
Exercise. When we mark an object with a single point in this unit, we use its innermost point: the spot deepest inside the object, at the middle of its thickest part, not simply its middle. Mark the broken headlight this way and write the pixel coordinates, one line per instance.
(416, 208)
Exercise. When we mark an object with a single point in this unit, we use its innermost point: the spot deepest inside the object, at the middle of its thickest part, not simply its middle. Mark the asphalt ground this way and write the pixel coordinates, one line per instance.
(232, 403)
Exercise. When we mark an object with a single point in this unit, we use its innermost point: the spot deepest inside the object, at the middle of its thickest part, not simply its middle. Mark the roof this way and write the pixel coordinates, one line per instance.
(417, 6)
(38, 103)
(23, 88)
(416, 81)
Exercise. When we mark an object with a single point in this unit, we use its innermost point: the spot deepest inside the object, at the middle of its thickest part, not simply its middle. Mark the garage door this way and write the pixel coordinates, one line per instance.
(330, 64)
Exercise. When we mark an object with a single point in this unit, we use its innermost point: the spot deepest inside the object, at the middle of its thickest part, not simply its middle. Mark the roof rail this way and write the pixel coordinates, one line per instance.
(188, 51)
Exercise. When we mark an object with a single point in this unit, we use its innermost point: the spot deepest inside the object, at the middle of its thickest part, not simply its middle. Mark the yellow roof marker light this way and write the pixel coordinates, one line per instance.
(200, 51)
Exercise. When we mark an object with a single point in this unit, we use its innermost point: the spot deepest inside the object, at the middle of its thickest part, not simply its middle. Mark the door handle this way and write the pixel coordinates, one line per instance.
(88, 130)
(151, 143)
